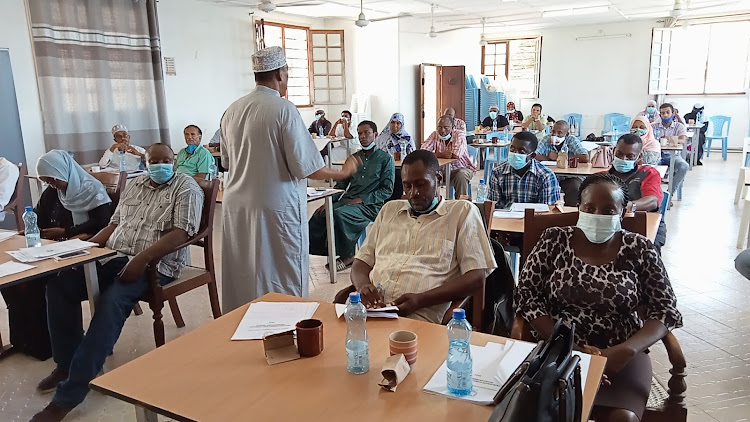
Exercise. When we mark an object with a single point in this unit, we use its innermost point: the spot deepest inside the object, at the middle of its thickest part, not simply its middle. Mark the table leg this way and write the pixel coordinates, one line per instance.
(144, 415)
(330, 162)
(348, 147)
(331, 239)
(447, 173)
(6, 350)
(92, 284)
(670, 178)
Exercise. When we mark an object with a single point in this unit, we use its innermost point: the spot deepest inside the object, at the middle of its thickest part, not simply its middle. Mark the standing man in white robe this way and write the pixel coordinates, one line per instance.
(269, 153)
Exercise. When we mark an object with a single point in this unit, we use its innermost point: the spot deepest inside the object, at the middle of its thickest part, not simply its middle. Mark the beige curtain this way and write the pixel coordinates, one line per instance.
(98, 65)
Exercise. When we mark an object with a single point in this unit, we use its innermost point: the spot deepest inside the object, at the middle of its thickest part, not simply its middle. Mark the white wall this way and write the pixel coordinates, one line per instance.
(734, 106)
(14, 35)
(212, 46)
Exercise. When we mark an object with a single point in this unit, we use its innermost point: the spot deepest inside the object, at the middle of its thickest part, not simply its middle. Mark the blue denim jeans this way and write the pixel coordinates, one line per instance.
(83, 355)
(681, 168)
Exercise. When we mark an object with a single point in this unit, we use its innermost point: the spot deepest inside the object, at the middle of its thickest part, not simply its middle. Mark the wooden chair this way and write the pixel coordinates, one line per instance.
(16, 201)
(114, 183)
(667, 405)
(190, 277)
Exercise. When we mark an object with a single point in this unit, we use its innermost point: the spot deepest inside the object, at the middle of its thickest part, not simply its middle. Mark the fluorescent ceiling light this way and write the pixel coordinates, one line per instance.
(575, 12)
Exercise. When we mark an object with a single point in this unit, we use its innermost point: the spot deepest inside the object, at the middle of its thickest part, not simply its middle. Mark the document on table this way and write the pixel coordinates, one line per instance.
(50, 250)
(263, 318)
(549, 163)
(384, 312)
(485, 384)
(508, 214)
(7, 234)
(522, 206)
(312, 193)
(12, 267)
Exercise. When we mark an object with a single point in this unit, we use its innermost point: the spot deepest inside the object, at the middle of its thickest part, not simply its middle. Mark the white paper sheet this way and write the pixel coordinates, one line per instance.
(7, 234)
(485, 385)
(384, 312)
(57, 248)
(312, 193)
(521, 206)
(508, 214)
(264, 318)
(12, 267)
(549, 163)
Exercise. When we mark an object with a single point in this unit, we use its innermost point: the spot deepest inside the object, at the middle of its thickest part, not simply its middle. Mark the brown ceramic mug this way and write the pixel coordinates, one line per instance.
(310, 337)
(573, 162)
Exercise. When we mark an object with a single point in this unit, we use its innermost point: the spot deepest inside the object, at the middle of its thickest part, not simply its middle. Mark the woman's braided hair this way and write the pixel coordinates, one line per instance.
(600, 178)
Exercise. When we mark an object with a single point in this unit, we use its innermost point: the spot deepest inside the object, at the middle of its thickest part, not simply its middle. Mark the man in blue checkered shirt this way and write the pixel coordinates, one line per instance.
(560, 140)
(522, 178)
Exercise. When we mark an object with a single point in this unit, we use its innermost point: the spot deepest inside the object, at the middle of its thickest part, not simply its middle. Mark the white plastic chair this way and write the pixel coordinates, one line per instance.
(743, 181)
(745, 152)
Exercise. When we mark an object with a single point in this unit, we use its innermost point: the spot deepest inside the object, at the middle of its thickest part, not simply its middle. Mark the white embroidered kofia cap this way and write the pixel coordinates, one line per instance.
(268, 59)
(119, 128)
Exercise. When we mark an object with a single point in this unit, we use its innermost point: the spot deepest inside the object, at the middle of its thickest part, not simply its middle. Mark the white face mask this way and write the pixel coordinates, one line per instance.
(557, 140)
(598, 228)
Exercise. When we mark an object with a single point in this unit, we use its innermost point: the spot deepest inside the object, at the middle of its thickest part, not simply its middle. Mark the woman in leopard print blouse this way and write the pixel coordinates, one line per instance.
(596, 275)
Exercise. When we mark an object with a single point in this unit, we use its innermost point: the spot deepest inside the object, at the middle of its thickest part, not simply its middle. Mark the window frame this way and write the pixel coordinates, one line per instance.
(312, 46)
(507, 41)
(283, 27)
(661, 86)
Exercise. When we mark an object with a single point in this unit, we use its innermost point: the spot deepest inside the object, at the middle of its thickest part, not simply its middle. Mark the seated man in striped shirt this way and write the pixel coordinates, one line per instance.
(450, 142)
(424, 252)
(522, 178)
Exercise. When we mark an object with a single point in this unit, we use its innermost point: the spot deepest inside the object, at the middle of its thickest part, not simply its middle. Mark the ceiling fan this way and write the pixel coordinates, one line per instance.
(269, 6)
(362, 20)
(432, 33)
(682, 8)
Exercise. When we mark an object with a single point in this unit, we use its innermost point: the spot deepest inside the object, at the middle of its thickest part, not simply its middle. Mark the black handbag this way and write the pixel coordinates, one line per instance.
(546, 387)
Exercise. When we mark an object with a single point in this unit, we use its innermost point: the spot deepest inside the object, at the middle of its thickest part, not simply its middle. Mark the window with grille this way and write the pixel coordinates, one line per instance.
(701, 59)
(329, 80)
(294, 40)
(518, 61)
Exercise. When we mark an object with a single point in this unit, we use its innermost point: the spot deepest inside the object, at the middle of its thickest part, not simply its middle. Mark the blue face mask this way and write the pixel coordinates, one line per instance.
(493, 115)
(191, 149)
(517, 161)
(160, 173)
(432, 206)
(651, 110)
(668, 121)
(369, 147)
(623, 166)
(318, 116)
(446, 137)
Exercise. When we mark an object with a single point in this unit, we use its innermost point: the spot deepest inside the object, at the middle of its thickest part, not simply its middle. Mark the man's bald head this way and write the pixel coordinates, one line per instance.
(561, 128)
(159, 154)
(450, 111)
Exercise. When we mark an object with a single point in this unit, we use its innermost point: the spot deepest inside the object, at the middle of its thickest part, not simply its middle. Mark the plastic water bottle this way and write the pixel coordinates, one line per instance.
(459, 360)
(494, 125)
(33, 237)
(213, 171)
(403, 145)
(505, 133)
(321, 132)
(481, 191)
(614, 136)
(123, 162)
(70, 153)
(357, 346)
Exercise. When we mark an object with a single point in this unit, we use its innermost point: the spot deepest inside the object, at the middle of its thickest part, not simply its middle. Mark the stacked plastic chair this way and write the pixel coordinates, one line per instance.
(488, 99)
(574, 120)
(471, 103)
(608, 122)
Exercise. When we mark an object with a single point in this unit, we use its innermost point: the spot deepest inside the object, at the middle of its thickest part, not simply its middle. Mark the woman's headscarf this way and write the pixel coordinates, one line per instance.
(84, 192)
(650, 143)
(389, 141)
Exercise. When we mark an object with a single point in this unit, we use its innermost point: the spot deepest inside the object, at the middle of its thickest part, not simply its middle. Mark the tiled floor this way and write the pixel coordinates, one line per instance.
(712, 296)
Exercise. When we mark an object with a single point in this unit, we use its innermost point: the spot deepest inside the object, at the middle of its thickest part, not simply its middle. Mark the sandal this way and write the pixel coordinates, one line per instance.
(340, 265)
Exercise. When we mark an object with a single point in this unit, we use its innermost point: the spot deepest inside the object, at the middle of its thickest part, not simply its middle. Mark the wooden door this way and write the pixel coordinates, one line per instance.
(429, 108)
(453, 90)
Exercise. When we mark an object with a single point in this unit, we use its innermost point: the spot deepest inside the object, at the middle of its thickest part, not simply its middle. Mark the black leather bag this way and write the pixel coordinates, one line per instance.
(546, 387)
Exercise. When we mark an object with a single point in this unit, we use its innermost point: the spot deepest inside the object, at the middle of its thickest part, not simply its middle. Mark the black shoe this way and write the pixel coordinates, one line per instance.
(49, 384)
(699, 163)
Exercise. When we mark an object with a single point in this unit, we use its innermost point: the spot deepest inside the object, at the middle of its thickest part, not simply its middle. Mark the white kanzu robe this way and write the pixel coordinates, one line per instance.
(269, 154)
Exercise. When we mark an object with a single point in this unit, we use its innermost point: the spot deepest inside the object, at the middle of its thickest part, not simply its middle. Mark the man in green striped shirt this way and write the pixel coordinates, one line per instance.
(194, 160)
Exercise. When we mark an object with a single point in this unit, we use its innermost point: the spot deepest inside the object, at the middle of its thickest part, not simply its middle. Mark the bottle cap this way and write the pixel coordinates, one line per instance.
(481, 181)
(354, 297)
(459, 313)
(29, 209)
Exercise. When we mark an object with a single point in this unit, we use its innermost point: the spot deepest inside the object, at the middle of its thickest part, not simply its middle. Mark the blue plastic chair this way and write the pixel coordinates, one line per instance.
(499, 155)
(718, 124)
(664, 204)
(574, 119)
(621, 124)
(608, 122)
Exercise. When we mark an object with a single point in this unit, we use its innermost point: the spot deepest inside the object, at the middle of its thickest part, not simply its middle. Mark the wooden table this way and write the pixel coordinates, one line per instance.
(204, 376)
(50, 266)
(516, 225)
(445, 163)
(328, 197)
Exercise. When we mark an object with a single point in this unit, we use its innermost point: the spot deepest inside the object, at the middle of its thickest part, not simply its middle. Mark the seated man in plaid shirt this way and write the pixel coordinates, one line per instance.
(522, 178)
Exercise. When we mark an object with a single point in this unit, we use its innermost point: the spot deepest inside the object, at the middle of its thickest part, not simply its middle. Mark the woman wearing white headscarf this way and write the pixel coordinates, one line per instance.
(395, 139)
(75, 204)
